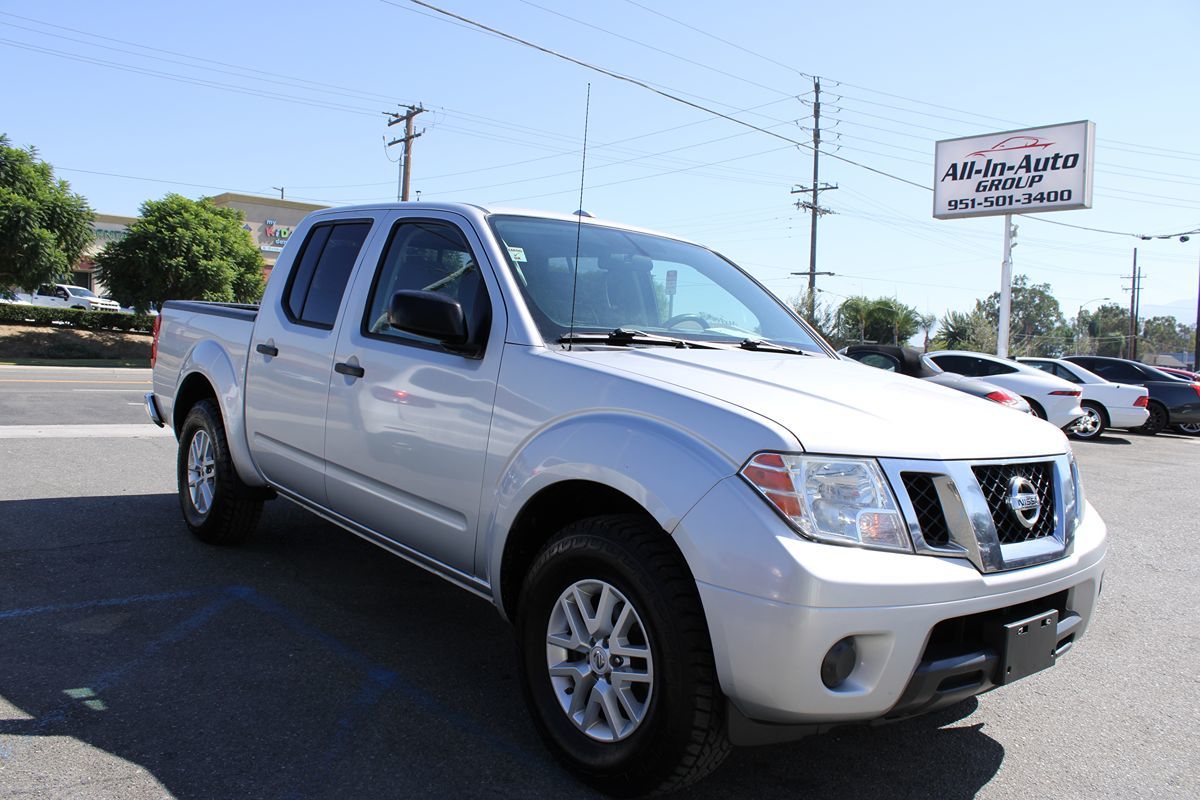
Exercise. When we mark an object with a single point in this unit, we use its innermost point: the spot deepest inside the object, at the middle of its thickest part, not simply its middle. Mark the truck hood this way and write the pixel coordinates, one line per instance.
(835, 406)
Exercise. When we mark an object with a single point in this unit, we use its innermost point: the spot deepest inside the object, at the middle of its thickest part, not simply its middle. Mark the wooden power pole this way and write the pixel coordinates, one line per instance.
(395, 118)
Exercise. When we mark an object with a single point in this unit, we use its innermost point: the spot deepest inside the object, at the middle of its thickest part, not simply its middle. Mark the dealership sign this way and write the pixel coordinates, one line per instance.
(1015, 172)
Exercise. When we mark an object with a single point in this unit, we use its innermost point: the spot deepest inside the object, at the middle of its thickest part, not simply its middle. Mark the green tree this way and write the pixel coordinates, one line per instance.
(1166, 334)
(882, 320)
(963, 330)
(1036, 321)
(44, 227)
(823, 316)
(183, 249)
(1103, 330)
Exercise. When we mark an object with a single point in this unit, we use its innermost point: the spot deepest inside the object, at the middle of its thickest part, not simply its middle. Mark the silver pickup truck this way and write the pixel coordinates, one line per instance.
(705, 527)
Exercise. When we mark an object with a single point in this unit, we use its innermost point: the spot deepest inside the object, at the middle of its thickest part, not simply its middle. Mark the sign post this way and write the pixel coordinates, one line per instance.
(1048, 168)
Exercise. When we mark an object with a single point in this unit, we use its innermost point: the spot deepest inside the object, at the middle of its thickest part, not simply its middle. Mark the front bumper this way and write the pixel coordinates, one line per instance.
(777, 603)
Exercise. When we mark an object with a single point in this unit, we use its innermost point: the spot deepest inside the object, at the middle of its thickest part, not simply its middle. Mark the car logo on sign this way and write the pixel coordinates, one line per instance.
(1023, 501)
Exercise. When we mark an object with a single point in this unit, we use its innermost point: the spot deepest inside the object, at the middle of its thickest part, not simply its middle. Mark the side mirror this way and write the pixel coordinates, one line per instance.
(429, 314)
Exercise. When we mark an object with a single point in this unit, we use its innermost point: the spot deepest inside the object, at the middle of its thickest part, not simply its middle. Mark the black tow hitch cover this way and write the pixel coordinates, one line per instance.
(1027, 646)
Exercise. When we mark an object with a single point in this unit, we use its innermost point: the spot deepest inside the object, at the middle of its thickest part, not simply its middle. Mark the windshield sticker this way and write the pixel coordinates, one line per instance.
(517, 254)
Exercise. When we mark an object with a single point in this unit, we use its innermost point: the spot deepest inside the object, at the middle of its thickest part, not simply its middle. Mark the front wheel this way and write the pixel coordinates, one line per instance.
(616, 662)
(217, 507)
(1189, 428)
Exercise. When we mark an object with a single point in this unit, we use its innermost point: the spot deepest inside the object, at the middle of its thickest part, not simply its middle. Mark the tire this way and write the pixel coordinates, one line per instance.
(1189, 428)
(680, 734)
(1036, 408)
(227, 513)
(1157, 421)
(1091, 424)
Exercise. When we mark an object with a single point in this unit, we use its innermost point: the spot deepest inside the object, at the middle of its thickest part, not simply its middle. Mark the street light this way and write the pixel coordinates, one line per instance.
(1079, 315)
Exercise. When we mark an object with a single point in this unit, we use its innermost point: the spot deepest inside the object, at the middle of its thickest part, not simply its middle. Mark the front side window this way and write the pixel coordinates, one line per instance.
(428, 256)
(637, 281)
(318, 280)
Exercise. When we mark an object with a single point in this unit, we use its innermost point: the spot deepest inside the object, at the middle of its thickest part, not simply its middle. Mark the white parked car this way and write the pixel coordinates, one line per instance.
(1051, 398)
(62, 295)
(1105, 404)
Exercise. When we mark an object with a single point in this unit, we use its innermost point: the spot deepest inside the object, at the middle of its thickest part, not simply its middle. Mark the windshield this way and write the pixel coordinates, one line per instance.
(640, 282)
(79, 291)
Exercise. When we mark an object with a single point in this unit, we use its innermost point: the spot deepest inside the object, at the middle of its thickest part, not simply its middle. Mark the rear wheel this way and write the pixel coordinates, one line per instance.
(217, 507)
(1157, 421)
(1091, 424)
(1037, 410)
(616, 661)
(1189, 428)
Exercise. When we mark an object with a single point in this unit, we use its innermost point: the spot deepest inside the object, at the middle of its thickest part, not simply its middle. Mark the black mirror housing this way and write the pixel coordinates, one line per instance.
(429, 314)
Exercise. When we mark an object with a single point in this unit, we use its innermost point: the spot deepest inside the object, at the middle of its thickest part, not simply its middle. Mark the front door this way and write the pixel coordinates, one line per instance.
(405, 442)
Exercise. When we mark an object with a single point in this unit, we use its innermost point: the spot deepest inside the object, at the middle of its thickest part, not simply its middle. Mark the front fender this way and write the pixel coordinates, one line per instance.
(210, 360)
(663, 468)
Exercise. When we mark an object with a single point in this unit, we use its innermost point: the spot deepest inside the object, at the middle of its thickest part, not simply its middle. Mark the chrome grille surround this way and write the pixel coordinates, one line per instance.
(969, 517)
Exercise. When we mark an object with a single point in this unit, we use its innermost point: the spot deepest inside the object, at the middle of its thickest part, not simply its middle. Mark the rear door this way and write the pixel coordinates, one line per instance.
(406, 439)
(290, 357)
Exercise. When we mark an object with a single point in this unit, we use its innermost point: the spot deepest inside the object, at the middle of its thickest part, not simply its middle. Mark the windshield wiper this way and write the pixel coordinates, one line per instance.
(762, 345)
(628, 336)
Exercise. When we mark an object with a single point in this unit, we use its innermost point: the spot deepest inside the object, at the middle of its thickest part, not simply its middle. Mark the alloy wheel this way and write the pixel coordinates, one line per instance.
(201, 472)
(599, 660)
(1088, 426)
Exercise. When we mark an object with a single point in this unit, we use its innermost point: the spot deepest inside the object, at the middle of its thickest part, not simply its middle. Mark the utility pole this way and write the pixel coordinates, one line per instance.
(813, 205)
(395, 118)
(1135, 307)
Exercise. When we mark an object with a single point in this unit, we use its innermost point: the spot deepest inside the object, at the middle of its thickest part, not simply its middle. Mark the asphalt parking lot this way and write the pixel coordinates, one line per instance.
(136, 662)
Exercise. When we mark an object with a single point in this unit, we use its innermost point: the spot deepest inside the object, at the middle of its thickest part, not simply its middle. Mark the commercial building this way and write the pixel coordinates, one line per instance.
(269, 220)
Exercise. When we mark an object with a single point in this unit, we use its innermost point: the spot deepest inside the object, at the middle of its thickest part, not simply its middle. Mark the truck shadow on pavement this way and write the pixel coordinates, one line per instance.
(309, 664)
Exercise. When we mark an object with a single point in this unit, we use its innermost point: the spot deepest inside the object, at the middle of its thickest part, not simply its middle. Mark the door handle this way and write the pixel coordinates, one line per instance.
(268, 350)
(351, 370)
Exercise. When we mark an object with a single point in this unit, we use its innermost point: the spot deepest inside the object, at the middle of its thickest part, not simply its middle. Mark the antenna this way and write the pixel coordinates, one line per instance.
(587, 108)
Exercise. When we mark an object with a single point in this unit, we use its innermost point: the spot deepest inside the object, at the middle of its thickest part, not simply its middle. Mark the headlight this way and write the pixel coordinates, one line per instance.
(1077, 481)
(830, 499)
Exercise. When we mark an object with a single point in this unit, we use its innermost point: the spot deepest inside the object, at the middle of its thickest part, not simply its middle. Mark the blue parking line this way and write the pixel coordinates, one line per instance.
(113, 602)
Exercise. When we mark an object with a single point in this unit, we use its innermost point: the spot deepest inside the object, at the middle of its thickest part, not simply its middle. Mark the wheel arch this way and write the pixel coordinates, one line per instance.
(601, 463)
(207, 371)
(547, 512)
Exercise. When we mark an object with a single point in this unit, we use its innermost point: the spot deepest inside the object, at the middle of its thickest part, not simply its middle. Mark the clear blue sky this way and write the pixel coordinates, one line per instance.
(290, 94)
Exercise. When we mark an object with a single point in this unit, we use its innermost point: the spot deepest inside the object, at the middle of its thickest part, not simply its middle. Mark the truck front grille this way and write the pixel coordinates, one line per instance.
(928, 508)
(996, 481)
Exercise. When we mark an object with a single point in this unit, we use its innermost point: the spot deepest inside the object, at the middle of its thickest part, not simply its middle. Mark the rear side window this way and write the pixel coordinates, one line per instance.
(988, 367)
(1116, 371)
(318, 281)
(963, 365)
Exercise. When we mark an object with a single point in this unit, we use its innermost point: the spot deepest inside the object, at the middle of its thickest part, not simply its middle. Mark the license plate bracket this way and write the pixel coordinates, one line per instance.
(1027, 646)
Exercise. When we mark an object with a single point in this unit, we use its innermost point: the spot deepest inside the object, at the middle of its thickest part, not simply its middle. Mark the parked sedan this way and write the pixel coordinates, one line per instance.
(1052, 399)
(906, 361)
(1173, 401)
(1105, 404)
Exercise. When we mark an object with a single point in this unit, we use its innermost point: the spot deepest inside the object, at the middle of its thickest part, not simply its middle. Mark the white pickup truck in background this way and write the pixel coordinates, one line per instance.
(62, 295)
(705, 527)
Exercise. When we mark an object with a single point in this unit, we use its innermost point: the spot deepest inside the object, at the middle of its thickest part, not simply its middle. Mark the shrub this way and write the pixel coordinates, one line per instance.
(75, 318)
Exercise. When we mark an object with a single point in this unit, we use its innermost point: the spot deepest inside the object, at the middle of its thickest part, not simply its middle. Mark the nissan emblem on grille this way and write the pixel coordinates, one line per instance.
(1024, 502)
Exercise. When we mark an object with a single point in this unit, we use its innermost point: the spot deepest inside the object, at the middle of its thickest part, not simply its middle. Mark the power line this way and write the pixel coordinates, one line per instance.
(647, 86)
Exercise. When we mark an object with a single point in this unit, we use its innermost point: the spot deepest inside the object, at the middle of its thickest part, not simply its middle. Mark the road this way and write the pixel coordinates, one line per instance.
(136, 662)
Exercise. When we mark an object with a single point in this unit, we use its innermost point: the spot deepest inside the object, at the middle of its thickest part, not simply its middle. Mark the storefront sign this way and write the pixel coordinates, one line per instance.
(1015, 172)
